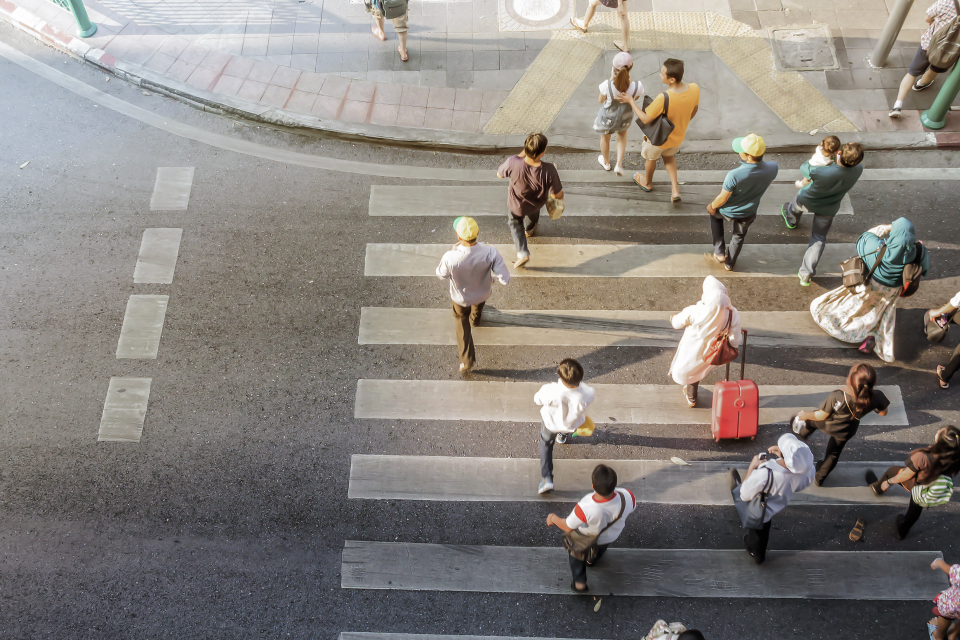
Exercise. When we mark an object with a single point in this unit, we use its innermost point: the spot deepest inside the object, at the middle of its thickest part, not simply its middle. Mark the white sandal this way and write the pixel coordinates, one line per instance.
(618, 170)
(606, 166)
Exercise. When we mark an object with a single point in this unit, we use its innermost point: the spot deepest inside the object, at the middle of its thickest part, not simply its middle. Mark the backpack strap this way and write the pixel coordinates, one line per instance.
(623, 505)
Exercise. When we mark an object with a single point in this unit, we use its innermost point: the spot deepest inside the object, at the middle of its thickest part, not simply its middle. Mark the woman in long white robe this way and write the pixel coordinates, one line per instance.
(703, 321)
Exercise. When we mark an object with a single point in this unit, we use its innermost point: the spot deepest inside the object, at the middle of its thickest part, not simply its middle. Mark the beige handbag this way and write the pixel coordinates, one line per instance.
(554, 207)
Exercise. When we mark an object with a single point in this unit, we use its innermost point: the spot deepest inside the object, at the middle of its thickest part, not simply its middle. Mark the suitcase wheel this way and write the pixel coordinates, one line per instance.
(753, 438)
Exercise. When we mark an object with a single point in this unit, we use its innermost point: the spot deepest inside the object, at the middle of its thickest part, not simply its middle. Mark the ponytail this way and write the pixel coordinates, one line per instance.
(621, 79)
(862, 379)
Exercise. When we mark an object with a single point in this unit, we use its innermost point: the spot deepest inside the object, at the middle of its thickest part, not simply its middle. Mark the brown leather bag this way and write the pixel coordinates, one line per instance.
(721, 351)
(583, 546)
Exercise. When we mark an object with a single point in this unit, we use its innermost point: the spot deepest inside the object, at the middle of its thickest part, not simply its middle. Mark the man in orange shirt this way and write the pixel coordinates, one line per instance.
(682, 104)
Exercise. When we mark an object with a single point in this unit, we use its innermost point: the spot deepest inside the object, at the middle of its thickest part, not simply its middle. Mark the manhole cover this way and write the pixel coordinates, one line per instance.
(804, 49)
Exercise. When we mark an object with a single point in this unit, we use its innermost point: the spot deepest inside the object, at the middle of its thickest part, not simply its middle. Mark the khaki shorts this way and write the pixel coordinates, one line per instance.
(650, 152)
(399, 24)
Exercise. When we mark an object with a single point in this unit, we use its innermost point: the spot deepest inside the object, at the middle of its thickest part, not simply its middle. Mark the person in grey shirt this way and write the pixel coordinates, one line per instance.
(470, 267)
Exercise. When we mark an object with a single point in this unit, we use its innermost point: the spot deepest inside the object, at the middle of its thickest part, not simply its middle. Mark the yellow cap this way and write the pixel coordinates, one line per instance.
(466, 228)
(750, 144)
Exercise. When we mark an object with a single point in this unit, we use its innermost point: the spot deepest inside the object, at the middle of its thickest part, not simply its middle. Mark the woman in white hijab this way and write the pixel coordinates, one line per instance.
(792, 472)
(703, 321)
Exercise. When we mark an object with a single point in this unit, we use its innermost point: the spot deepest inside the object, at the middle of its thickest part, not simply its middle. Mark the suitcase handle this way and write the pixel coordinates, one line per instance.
(743, 356)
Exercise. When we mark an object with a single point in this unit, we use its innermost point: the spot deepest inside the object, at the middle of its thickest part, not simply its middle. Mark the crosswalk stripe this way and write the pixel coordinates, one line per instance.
(614, 260)
(594, 328)
(675, 573)
(171, 191)
(608, 200)
(158, 256)
(124, 410)
(445, 478)
(614, 404)
(142, 326)
(365, 635)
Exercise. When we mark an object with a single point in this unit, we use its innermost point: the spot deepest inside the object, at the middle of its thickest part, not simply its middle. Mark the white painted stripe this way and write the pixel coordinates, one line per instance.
(614, 260)
(158, 256)
(142, 326)
(421, 200)
(593, 328)
(674, 573)
(171, 191)
(124, 410)
(652, 481)
(615, 403)
(363, 635)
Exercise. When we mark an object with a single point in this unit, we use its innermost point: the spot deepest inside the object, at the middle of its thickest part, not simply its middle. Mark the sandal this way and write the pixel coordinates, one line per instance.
(943, 383)
(647, 189)
(674, 199)
(857, 532)
(404, 56)
(868, 345)
(576, 23)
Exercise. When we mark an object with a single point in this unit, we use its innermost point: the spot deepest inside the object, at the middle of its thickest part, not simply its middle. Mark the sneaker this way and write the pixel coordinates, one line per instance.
(691, 402)
(796, 424)
(562, 438)
(894, 113)
(786, 221)
(618, 170)
(603, 163)
(546, 485)
(475, 322)
(735, 480)
(920, 87)
(804, 279)
(521, 260)
(529, 232)
(464, 368)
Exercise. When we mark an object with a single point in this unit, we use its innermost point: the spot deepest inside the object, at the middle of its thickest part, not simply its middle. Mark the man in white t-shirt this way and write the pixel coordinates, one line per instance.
(943, 315)
(593, 514)
(562, 405)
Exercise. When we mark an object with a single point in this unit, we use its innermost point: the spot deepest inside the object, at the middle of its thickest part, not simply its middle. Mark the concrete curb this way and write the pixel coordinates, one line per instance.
(451, 141)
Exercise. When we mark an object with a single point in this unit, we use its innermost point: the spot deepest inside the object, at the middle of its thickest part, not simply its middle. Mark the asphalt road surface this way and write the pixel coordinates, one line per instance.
(228, 518)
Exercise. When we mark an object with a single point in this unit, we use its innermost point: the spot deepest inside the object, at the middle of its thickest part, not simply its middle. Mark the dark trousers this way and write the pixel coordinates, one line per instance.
(579, 567)
(463, 316)
(547, 440)
(740, 226)
(818, 235)
(953, 366)
(913, 510)
(756, 542)
(830, 456)
(518, 229)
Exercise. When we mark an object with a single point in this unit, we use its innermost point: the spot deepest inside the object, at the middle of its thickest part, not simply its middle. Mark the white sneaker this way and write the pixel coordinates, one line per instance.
(521, 260)
(604, 164)
(796, 424)
(618, 170)
(546, 485)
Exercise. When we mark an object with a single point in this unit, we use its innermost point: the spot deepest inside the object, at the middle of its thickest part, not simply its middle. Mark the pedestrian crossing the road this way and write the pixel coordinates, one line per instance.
(722, 572)
(581, 201)
(615, 260)
(615, 403)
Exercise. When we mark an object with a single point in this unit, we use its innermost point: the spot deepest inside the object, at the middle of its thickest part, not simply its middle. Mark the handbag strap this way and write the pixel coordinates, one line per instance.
(623, 505)
(876, 263)
(666, 105)
(768, 484)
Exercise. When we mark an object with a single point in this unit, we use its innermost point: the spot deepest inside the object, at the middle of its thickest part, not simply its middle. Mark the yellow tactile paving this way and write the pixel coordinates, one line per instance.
(556, 73)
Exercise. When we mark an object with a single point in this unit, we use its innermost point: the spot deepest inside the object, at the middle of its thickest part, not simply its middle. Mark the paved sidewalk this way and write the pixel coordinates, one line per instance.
(482, 73)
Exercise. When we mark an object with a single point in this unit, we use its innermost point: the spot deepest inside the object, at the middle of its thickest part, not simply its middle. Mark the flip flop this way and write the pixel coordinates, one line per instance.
(403, 56)
(573, 21)
(943, 383)
(640, 185)
(857, 532)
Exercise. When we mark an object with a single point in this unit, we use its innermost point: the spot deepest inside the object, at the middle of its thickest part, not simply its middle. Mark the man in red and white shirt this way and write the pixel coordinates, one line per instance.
(594, 512)
(921, 73)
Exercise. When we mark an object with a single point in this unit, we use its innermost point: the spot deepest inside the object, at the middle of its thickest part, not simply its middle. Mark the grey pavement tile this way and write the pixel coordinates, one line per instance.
(742, 5)
(511, 42)
(433, 60)
(483, 42)
(870, 19)
(203, 78)
(414, 96)
(310, 82)
(180, 70)
(383, 61)
(492, 99)
(335, 87)
(262, 72)
(438, 119)
(486, 60)
(459, 17)
(354, 111)
(436, 23)
(855, 38)
(867, 79)
(376, 45)
(411, 116)
(433, 78)
(395, 77)
(280, 45)
(384, 114)
(876, 99)
(286, 28)
(484, 118)
(354, 61)
(255, 45)
(514, 59)
(174, 46)
(355, 75)
(858, 58)
(252, 90)
(327, 107)
(433, 8)
(361, 91)
(895, 60)
(307, 27)
(306, 44)
(459, 61)
(286, 77)
(840, 79)
(468, 100)
(160, 62)
(388, 93)
(909, 39)
(431, 42)
(747, 17)
(843, 100)
(216, 60)
(238, 67)
(257, 58)
(276, 96)
(460, 79)
(139, 51)
(460, 41)
(816, 78)
(329, 62)
(304, 61)
(485, 24)
(536, 40)
(441, 98)
(767, 5)
(254, 28)
(330, 43)
(232, 45)
(301, 101)
(487, 80)
(228, 86)
(890, 78)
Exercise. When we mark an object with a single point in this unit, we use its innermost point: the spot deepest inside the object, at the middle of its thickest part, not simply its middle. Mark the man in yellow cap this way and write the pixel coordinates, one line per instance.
(739, 199)
(471, 267)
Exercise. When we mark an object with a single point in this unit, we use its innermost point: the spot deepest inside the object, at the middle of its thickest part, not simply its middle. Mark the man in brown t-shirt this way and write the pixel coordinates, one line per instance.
(532, 182)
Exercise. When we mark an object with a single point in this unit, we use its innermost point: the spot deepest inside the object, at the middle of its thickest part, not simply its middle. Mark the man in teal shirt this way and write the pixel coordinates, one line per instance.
(822, 197)
(740, 198)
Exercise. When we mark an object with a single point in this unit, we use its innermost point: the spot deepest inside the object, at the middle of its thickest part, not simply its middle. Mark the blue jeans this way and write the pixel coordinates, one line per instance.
(518, 229)
(547, 440)
(818, 235)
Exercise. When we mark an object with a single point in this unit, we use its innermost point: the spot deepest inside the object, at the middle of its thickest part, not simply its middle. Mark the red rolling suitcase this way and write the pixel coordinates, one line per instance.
(736, 405)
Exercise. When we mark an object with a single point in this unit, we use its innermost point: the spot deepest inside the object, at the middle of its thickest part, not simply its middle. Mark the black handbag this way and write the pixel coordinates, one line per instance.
(855, 271)
(660, 127)
(583, 546)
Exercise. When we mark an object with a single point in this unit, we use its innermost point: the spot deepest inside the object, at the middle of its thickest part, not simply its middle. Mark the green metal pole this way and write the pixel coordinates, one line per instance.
(79, 12)
(936, 116)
